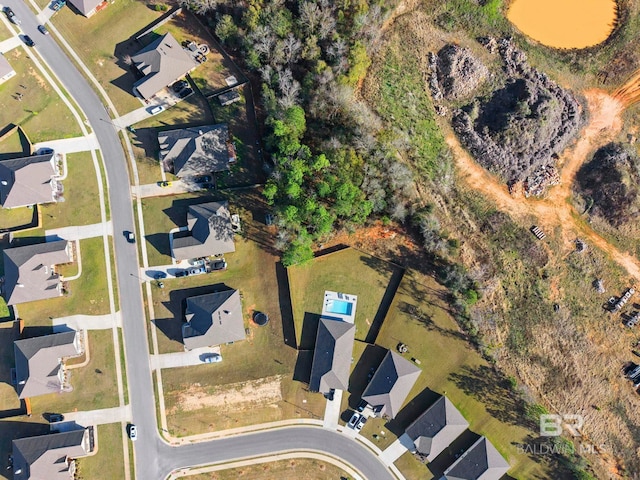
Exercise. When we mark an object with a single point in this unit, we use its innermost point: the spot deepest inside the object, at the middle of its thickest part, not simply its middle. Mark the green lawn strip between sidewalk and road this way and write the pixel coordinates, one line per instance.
(292, 469)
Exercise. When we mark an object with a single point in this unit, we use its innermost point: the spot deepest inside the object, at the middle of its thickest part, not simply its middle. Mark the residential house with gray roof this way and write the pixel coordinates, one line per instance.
(40, 362)
(28, 181)
(209, 232)
(161, 63)
(30, 273)
(332, 355)
(6, 70)
(213, 319)
(49, 457)
(436, 428)
(390, 385)
(89, 7)
(480, 462)
(189, 152)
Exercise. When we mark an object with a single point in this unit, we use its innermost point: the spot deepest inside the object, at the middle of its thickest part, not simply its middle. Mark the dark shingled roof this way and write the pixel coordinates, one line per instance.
(480, 462)
(161, 62)
(391, 384)
(49, 457)
(213, 319)
(86, 7)
(195, 151)
(38, 362)
(26, 181)
(28, 275)
(436, 428)
(332, 355)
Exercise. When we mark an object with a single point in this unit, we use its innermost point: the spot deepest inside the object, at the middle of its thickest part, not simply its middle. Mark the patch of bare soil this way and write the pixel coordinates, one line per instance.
(265, 391)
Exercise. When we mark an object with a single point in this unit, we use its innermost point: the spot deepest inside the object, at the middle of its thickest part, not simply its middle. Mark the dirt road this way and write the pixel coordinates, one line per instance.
(556, 209)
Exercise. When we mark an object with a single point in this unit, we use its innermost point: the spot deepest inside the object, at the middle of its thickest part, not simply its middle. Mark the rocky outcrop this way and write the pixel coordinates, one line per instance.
(610, 180)
(520, 128)
(455, 73)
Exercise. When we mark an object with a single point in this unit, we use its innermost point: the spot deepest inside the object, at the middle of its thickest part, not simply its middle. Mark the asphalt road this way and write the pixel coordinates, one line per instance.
(154, 459)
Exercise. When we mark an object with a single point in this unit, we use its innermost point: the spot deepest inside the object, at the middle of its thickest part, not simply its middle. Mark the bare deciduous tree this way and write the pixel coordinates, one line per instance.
(292, 48)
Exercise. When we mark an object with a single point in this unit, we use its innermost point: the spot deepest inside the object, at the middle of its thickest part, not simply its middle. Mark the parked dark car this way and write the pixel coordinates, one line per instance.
(130, 236)
(160, 275)
(43, 30)
(181, 273)
(185, 93)
(29, 41)
(179, 85)
(12, 16)
(219, 265)
(56, 417)
(202, 179)
(46, 151)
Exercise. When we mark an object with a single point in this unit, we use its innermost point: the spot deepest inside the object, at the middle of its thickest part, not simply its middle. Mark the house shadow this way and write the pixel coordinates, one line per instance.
(171, 327)
(362, 373)
(309, 331)
(411, 411)
(123, 53)
(36, 331)
(12, 430)
(147, 140)
(160, 241)
(302, 369)
(7, 337)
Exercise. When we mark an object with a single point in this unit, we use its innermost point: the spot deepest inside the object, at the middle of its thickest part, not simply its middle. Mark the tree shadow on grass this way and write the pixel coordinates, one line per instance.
(492, 388)
(416, 313)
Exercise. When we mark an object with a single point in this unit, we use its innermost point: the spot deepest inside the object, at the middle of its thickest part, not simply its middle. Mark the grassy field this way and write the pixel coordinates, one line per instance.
(14, 217)
(208, 76)
(94, 385)
(109, 31)
(294, 469)
(348, 271)
(88, 294)
(82, 204)
(419, 318)
(12, 145)
(41, 112)
(108, 462)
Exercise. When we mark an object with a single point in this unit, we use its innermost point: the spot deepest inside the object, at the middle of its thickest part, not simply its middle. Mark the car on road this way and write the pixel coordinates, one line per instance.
(179, 85)
(361, 422)
(56, 417)
(28, 40)
(353, 420)
(185, 93)
(12, 16)
(212, 358)
(219, 265)
(130, 236)
(181, 273)
(43, 30)
(160, 275)
(133, 432)
(197, 270)
(156, 109)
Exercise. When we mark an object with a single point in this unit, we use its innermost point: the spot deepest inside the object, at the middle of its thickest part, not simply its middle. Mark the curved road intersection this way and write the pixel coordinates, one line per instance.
(154, 458)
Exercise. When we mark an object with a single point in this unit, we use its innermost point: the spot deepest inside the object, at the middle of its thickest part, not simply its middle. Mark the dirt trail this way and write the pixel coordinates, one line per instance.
(556, 209)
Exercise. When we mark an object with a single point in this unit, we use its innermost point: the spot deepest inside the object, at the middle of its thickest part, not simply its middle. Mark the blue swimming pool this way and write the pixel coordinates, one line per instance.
(340, 307)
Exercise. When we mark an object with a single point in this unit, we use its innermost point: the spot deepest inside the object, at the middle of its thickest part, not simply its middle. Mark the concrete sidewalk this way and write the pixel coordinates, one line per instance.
(71, 145)
(80, 232)
(181, 359)
(100, 417)
(87, 322)
(393, 452)
(10, 44)
(332, 411)
(176, 187)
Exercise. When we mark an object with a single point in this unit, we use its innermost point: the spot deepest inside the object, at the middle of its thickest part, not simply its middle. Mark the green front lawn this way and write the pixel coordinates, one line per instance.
(87, 295)
(109, 31)
(294, 469)
(419, 318)
(41, 112)
(81, 204)
(5, 33)
(94, 385)
(348, 271)
(109, 461)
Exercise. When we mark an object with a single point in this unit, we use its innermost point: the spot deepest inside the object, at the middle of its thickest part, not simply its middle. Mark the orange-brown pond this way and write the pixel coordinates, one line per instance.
(564, 23)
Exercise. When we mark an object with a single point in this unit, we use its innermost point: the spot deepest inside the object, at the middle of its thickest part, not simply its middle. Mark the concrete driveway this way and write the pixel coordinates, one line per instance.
(182, 359)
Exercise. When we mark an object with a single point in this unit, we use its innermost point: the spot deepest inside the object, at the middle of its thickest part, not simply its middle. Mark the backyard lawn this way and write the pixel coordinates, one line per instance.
(15, 217)
(41, 112)
(419, 318)
(109, 29)
(109, 461)
(348, 271)
(87, 295)
(81, 204)
(293, 469)
(94, 385)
